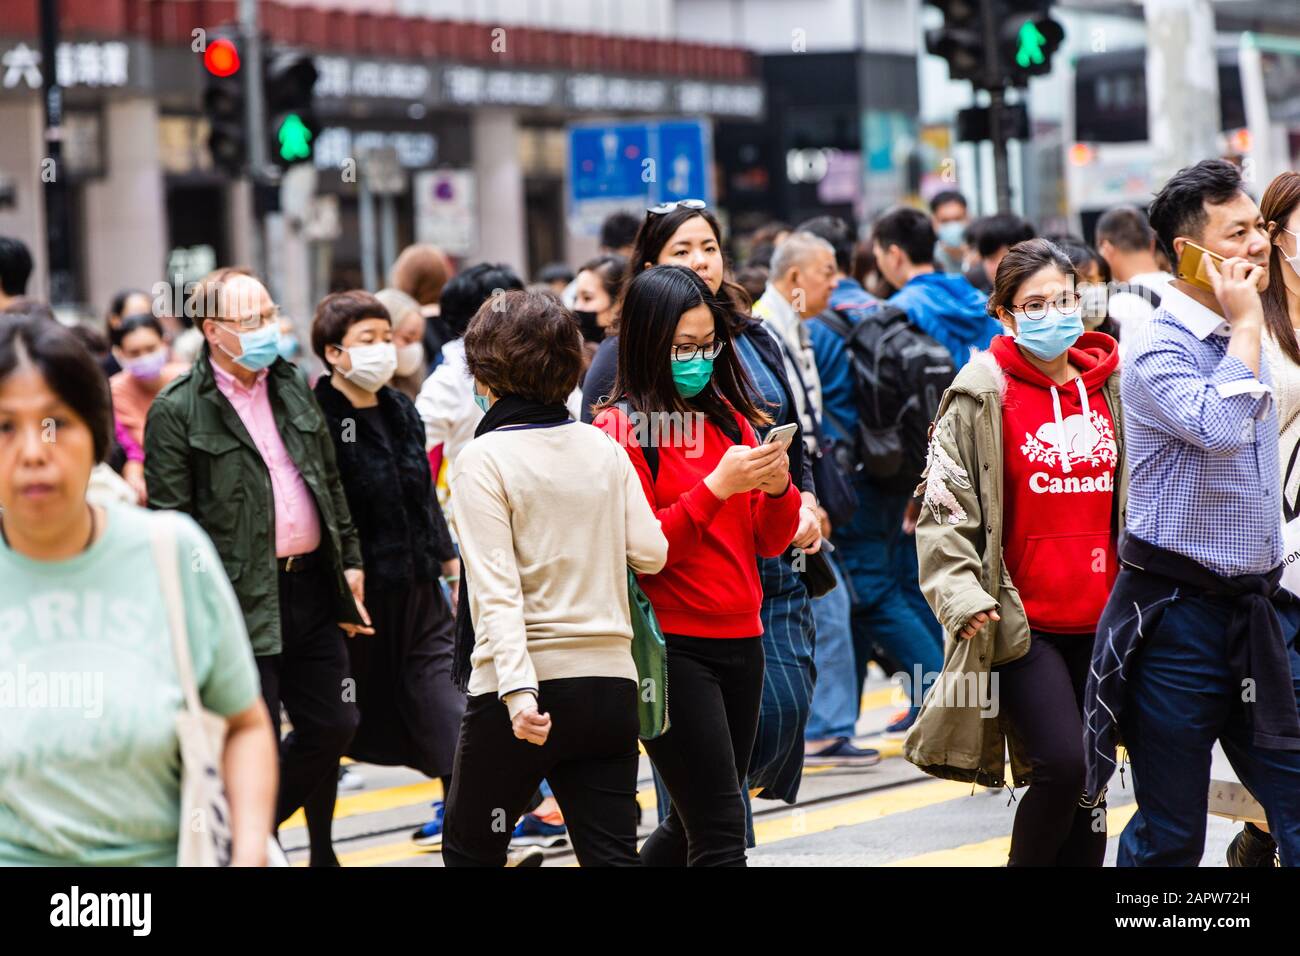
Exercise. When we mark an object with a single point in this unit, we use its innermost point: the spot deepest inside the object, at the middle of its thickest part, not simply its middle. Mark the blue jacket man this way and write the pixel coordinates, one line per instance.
(874, 552)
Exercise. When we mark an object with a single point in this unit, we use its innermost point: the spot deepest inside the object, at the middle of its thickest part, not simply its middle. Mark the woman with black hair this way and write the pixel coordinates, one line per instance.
(689, 235)
(94, 779)
(685, 412)
(596, 291)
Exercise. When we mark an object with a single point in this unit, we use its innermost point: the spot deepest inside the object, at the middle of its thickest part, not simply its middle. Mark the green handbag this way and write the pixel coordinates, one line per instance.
(651, 657)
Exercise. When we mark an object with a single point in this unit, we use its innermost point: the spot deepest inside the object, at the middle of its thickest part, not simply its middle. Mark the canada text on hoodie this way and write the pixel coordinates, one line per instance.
(1059, 458)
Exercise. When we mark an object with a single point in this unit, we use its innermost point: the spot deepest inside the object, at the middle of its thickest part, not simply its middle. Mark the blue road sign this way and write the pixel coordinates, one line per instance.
(635, 165)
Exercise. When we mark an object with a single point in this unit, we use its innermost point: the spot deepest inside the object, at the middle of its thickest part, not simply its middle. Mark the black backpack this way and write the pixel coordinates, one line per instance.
(899, 376)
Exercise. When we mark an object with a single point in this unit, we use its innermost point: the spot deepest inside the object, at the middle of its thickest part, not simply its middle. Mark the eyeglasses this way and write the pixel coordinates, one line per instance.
(684, 353)
(251, 323)
(1036, 309)
(666, 207)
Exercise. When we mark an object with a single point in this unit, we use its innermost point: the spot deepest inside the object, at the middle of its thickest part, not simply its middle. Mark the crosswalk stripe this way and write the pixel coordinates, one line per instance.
(375, 801)
(994, 852)
(798, 822)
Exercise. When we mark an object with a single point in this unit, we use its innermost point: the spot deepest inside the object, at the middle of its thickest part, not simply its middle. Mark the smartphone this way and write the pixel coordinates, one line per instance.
(1191, 265)
(781, 435)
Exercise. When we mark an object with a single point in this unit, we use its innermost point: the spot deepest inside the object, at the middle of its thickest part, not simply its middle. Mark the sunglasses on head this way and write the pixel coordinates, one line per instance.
(666, 207)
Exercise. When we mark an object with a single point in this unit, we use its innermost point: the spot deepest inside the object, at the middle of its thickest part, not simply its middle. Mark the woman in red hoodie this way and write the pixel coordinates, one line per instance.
(1024, 491)
(681, 407)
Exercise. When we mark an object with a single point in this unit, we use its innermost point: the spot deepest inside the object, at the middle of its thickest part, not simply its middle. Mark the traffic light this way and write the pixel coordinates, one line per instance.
(292, 124)
(1028, 38)
(223, 102)
(960, 40)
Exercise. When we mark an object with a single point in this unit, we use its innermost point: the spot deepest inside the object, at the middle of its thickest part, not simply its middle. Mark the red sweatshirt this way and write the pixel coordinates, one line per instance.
(1058, 531)
(710, 586)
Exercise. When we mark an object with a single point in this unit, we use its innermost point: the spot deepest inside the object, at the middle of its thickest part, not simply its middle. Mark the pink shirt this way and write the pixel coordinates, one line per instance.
(297, 524)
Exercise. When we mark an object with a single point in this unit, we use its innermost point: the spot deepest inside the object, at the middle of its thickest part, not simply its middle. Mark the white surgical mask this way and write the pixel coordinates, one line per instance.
(372, 365)
(409, 358)
(1292, 261)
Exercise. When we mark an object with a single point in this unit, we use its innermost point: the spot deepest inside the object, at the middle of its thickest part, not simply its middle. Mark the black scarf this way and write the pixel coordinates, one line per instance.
(507, 410)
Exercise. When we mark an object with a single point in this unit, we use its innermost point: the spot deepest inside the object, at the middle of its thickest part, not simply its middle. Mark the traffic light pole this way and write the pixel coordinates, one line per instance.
(58, 225)
(997, 101)
(256, 124)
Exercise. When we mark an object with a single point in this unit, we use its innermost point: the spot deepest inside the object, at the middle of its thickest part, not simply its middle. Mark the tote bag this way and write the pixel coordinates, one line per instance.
(205, 838)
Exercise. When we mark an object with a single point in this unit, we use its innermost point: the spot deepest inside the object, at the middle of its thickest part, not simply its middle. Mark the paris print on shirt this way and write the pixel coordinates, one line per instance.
(1081, 444)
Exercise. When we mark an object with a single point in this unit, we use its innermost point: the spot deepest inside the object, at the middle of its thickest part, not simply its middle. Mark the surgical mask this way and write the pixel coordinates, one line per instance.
(259, 348)
(147, 368)
(952, 234)
(287, 346)
(1051, 335)
(481, 401)
(692, 375)
(372, 365)
(1292, 261)
(409, 358)
(589, 323)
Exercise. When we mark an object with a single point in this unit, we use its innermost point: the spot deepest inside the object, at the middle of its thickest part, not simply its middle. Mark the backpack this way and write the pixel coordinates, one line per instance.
(899, 376)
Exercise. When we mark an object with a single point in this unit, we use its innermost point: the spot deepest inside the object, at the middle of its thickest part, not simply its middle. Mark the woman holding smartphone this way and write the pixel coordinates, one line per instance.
(723, 500)
(687, 234)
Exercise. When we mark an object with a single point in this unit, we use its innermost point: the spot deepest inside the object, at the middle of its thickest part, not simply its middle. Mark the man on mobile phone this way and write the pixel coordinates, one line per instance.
(1197, 642)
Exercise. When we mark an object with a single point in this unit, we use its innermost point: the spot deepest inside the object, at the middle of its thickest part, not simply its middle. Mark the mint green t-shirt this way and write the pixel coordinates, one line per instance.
(89, 759)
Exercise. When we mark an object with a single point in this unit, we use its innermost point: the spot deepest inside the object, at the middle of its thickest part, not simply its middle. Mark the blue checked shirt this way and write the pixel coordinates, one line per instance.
(1201, 441)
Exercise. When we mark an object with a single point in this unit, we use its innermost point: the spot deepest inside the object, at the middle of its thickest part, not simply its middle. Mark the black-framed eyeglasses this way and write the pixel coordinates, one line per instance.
(684, 353)
(1036, 309)
(251, 323)
(666, 207)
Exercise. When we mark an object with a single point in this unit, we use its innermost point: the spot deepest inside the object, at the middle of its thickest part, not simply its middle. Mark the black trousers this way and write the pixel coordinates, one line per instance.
(311, 677)
(1042, 695)
(715, 688)
(589, 759)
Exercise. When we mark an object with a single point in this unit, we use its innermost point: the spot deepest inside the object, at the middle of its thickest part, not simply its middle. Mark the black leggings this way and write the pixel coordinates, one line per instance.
(1042, 695)
(590, 760)
(715, 687)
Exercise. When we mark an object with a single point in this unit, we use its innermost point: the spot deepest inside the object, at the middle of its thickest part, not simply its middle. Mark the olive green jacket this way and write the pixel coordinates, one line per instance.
(960, 733)
(200, 459)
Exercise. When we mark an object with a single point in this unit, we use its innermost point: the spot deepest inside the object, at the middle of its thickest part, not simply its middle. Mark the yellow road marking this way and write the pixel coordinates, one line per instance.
(798, 822)
(994, 852)
(376, 801)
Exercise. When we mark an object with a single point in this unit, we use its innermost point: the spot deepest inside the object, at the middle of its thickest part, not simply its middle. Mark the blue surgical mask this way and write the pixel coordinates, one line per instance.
(952, 234)
(259, 348)
(692, 375)
(480, 400)
(1051, 335)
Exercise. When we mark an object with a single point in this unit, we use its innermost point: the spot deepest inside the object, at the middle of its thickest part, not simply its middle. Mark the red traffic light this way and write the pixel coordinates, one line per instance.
(221, 58)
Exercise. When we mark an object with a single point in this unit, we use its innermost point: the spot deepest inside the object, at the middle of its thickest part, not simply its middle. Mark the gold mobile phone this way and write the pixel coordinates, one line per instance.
(1191, 265)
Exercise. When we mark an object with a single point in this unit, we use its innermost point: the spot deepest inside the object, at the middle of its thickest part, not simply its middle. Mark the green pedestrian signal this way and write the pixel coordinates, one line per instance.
(1029, 48)
(295, 139)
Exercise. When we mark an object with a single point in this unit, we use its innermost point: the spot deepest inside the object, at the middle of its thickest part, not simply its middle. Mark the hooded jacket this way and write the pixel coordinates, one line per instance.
(950, 310)
(1058, 541)
(959, 734)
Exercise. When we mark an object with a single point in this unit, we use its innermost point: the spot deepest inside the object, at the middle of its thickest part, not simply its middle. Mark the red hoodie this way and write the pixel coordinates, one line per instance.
(1058, 530)
(710, 586)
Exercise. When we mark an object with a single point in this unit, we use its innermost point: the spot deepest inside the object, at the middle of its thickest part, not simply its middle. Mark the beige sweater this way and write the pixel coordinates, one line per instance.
(549, 520)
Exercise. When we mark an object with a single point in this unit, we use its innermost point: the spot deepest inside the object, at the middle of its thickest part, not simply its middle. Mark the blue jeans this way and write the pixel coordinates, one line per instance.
(871, 549)
(836, 695)
(1181, 699)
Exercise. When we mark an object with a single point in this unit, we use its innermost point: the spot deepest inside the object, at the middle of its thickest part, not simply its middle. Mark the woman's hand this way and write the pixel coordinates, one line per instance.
(133, 472)
(778, 477)
(743, 468)
(977, 622)
(357, 582)
(808, 537)
(531, 726)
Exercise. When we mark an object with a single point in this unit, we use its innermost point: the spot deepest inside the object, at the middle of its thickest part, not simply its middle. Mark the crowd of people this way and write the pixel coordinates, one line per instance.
(1059, 473)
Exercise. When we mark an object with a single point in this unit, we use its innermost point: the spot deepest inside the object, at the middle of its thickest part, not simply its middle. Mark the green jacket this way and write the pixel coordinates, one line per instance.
(959, 550)
(200, 459)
